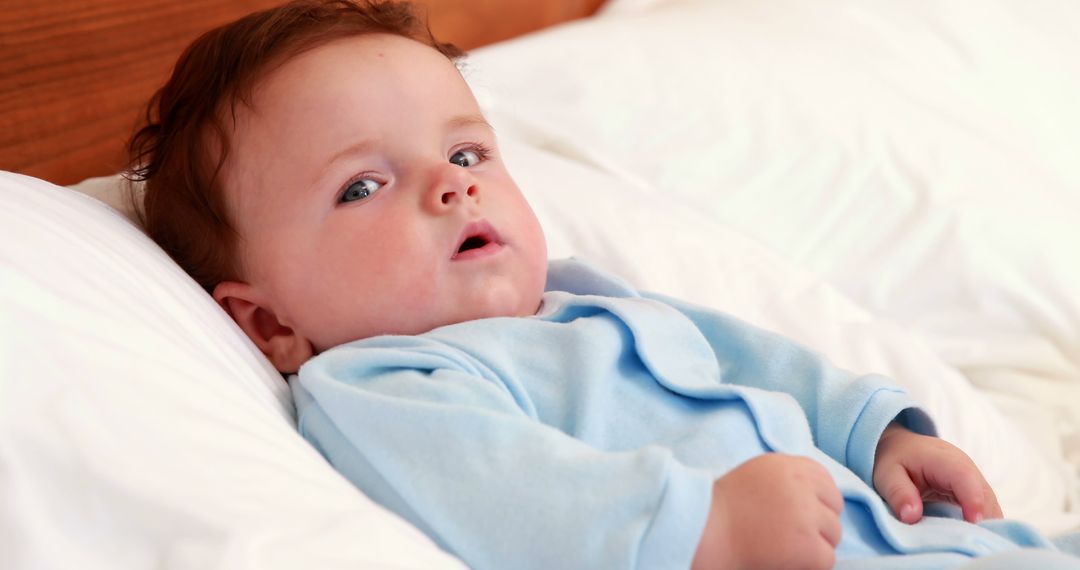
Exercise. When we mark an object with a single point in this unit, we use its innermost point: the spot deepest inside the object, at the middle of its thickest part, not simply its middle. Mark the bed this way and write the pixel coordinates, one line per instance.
(895, 184)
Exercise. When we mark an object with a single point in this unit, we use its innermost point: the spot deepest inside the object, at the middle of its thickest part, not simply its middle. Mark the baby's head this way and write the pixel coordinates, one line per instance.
(325, 172)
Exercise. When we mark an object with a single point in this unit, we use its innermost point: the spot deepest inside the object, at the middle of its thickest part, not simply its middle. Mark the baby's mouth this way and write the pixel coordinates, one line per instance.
(473, 242)
(477, 240)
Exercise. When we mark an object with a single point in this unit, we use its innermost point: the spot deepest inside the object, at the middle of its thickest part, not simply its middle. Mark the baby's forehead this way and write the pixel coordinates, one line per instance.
(322, 99)
(375, 71)
(352, 71)
(376, 55)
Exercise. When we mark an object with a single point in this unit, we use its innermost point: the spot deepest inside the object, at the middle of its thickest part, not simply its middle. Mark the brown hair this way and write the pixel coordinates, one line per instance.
(180, 151)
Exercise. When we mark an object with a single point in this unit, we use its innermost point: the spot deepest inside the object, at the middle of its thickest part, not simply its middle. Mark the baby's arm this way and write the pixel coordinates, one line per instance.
(774, 511)
(910, 468)
(846, 413)
(852, 416)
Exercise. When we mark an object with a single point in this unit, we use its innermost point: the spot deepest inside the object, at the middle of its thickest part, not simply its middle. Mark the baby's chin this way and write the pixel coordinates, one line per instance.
(492, 304)
(504, 302)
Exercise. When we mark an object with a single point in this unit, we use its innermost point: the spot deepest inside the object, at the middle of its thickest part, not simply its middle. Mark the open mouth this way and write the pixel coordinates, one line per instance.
(474, 242)
(478, 239)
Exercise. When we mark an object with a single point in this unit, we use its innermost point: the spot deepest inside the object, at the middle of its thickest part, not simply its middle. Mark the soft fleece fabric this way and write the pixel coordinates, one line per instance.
(588, 436)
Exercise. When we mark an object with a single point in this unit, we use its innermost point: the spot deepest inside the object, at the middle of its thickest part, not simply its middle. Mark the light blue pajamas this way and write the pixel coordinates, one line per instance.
(589, 435)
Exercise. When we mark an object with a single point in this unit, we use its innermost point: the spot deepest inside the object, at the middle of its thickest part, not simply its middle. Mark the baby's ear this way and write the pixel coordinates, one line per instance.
(286, 349)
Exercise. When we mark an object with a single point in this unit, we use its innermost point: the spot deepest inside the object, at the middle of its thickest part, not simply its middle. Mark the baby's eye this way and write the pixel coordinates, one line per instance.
(466, 158)
(360, 190)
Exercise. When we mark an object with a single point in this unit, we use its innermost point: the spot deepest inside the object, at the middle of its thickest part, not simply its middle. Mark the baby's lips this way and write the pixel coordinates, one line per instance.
(476, 235)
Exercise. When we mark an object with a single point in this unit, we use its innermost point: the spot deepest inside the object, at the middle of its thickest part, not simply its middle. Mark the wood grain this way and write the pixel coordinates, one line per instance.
(75, 75)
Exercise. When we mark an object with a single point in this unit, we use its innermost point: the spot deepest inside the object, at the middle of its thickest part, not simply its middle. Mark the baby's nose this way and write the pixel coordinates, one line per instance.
(452, 186)
(449, 196)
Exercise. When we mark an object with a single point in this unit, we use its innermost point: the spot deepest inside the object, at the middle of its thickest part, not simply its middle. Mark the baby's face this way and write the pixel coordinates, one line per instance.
(371, 197)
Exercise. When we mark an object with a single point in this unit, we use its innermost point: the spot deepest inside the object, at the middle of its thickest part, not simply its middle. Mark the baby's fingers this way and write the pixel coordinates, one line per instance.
(976, 498)
(900, 492)
(994, 507)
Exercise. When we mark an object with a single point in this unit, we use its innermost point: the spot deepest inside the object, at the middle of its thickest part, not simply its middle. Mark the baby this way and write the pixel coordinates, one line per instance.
(324, 171)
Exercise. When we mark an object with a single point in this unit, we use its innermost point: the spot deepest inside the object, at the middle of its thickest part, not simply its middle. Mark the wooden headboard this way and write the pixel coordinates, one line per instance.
(75, 75)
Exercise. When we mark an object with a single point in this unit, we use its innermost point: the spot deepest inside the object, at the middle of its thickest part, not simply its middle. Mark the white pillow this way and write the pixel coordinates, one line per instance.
(138, 426)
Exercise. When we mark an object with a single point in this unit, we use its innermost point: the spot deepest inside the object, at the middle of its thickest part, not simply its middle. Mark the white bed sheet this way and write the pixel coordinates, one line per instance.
(921, 157)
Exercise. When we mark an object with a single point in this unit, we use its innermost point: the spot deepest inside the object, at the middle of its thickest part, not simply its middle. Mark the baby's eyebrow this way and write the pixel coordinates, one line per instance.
(358, 148)
(368, 144)
(453, 123)
(468, 120)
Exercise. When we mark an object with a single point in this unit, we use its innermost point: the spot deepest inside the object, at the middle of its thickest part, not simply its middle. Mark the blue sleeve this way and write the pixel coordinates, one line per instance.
(847, 413)
(432, 435)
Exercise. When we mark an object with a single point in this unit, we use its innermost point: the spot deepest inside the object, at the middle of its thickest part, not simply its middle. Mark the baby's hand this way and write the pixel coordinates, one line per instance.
(774, 511)
(910, 468)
